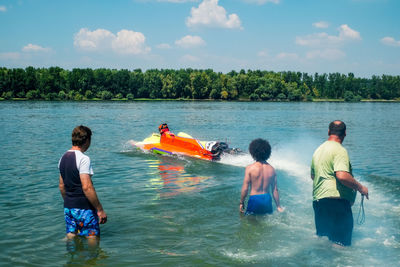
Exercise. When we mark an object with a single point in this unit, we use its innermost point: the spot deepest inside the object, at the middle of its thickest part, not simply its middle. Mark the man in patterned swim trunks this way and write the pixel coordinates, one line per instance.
(82, 209)
(261, 177)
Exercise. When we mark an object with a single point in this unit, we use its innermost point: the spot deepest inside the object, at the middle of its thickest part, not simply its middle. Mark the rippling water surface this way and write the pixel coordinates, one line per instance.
(179, 211)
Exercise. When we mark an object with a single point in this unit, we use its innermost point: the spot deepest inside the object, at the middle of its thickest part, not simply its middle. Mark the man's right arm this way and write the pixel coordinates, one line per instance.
(90, 193)
(348, 180)
(61, 186)
(245, 189)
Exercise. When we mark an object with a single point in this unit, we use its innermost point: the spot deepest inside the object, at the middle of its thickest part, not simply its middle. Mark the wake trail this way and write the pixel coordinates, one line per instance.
(285, 160)
(282, 161)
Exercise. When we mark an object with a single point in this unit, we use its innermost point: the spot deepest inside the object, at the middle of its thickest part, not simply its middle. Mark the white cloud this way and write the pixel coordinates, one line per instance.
(390, 41)
(101, 40)
(323, 39)
(97, 40)
(210, 14)
(3, 9)
(190, 41)
(346, 33)
(328, 54)
(164, 46)
(321, 24)
(130, 42)
(261, 2)
(34, 48)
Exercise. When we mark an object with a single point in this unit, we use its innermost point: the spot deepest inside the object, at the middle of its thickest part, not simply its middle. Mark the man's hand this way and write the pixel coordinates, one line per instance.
(280, 209)
(241, 207)
(364, 191)
(102, 216)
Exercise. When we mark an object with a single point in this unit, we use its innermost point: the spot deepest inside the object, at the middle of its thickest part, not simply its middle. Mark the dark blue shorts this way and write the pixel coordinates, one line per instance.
(82, 222)
(259, 204)
(334, 219)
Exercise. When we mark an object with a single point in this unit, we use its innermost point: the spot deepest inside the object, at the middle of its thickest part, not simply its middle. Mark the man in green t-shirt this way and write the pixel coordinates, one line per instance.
(334, 187)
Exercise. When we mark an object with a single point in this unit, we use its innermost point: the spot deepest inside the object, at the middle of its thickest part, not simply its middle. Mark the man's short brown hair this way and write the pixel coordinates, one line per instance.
(337, 128)
(80, 135)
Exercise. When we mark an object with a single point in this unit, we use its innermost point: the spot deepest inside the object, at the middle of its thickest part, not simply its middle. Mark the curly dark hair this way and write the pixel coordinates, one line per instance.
(80, 135)
(260, 149)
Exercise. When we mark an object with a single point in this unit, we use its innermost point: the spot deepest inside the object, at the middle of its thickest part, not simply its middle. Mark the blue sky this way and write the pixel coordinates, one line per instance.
(359, 36)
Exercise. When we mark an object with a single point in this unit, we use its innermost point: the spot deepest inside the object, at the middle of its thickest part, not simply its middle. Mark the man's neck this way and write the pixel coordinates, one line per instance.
(335, 138)
(76, 148)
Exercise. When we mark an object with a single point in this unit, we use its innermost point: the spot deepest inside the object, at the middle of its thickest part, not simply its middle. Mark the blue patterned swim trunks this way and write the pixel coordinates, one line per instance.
(81, 222)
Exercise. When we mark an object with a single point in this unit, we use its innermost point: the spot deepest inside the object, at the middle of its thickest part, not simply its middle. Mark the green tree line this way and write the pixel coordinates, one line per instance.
(56, 83)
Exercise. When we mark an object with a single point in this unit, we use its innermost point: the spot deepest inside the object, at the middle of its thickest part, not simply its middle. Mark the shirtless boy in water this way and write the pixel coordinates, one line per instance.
(261, 178)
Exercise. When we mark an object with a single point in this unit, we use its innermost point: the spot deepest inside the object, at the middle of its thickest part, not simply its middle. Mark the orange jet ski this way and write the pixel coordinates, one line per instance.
(183, 144)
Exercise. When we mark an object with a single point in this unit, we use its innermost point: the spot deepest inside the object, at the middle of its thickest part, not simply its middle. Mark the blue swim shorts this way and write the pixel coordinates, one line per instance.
(259, 204)
(82, 222)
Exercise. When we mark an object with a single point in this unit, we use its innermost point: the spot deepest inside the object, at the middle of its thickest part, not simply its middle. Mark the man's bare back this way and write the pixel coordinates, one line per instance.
(262, 176)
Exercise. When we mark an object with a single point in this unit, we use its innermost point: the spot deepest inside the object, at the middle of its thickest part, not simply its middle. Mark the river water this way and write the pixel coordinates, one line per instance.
(170, 211)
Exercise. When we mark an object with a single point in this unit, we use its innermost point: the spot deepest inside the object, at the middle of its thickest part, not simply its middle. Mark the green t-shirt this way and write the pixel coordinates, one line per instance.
(329, 158)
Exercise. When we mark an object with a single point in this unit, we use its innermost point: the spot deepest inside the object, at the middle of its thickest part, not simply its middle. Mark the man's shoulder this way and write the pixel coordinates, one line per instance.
(81, 156)
(331, 146)
(67, 155)
(338, 148)
(80, 153)
(257, 167)
(252, 167)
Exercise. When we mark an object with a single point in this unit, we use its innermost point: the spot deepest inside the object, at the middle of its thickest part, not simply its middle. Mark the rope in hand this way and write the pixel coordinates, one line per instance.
(361, 212)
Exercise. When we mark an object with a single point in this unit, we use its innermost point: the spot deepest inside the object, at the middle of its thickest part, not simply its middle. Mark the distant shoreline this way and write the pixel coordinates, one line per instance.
(55, 83)
(199, 100)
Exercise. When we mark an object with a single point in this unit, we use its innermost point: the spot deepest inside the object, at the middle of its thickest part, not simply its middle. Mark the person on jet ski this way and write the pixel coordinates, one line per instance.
(215, 148)
(163, 128)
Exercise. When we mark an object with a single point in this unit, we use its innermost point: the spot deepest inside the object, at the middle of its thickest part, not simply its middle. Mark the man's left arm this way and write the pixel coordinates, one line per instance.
(91, 195)
(348, 180)
(275, 193)
(342, 169)
(312, 172)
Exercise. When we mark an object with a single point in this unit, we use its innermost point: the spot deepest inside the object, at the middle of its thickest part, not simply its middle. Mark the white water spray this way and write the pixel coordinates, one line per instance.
(284, 160)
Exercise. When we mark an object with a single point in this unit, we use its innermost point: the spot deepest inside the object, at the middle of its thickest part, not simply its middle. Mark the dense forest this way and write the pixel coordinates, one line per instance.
(55, 83)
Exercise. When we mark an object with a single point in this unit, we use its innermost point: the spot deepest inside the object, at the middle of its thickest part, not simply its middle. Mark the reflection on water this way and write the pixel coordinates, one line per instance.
(80, 251)
(169, 177)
